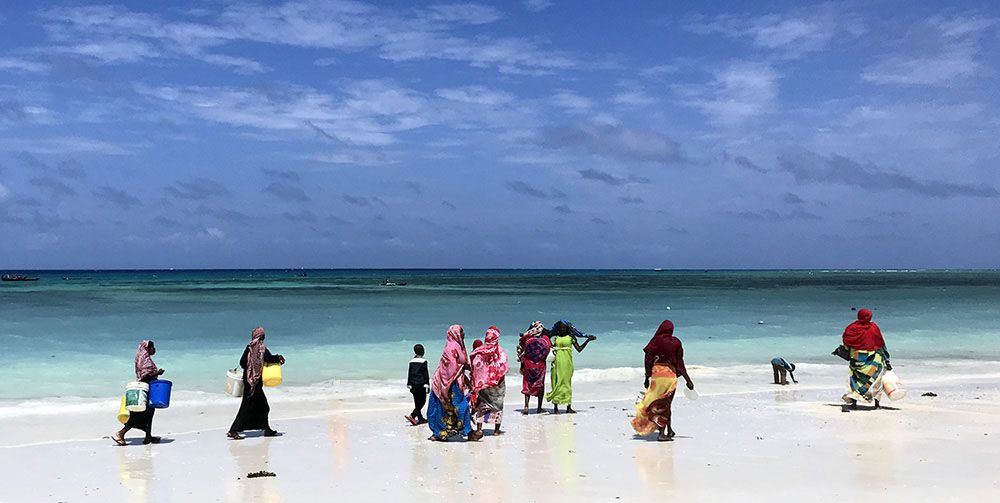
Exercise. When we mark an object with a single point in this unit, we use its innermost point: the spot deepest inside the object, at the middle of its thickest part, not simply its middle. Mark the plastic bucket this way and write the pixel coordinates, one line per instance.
(271, 374)
(893, 386)
(159, 393)
(136, 396)
(234, 383)
(122, 412)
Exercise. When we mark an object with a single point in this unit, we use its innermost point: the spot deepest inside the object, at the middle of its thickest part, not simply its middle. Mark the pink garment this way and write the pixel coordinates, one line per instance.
(144, 366)
(454, 360)
(255, 357)
(489, 363)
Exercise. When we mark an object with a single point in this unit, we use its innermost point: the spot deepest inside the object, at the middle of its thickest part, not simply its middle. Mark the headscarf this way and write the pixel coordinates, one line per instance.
(665, 348)
(534, 347)
(476, 343)
(454, 358)
(570, 329)
(144, 366)
(863, 334)
(255, 357)
(489, 363)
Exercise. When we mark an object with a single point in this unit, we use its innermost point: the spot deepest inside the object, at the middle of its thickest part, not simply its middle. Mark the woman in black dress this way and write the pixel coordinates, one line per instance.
(254, 408)
(145, 371)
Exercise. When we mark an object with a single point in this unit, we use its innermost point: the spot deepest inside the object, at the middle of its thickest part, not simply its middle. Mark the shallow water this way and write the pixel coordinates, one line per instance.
(74, 333)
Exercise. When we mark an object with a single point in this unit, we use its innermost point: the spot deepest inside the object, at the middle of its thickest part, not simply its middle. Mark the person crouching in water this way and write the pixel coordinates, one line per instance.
(145, 371)
(417, 380)
(254, 408)
(664, 364)
(489, 367)
(780, 368)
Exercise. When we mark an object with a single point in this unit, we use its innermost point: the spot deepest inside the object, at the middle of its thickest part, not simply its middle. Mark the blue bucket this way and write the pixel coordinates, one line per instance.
(159, 393)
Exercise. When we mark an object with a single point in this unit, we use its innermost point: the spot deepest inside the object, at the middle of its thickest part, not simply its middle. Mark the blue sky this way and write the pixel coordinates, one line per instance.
(517, 134)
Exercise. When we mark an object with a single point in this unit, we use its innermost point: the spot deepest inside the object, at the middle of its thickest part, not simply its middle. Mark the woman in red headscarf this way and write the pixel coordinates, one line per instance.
(489, 368)
(869, 358)
(254, 408)
(664, 364)
(532, 349)
(145, 371)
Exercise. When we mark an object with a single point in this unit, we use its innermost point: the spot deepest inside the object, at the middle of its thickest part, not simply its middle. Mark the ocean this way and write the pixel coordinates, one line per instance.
(72, 335)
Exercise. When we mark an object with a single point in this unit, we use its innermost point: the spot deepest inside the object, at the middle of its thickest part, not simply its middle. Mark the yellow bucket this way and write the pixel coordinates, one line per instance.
(271, 376)
(122, 412)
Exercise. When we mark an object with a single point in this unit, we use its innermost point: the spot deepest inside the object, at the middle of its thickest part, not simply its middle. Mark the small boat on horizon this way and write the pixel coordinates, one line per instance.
(17, 277)
(393, 283)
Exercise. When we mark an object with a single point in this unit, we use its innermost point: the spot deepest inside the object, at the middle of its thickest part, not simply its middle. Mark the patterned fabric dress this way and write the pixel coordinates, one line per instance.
(536, 349)
(866, 368)
(653, 411)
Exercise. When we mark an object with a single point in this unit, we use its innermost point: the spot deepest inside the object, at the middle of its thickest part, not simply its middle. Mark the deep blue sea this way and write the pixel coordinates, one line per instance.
(74, 333)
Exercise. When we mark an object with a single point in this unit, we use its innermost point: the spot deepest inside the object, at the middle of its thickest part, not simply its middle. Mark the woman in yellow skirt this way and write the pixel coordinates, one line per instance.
(664, 364)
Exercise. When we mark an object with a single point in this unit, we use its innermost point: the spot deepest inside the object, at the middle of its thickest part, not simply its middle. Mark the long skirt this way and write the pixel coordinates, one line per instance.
(533, 377)
(866, 368)
(561, 387)
(489, 404)
(447, 419)
(653, 411)
(141, 420)
(253, 409)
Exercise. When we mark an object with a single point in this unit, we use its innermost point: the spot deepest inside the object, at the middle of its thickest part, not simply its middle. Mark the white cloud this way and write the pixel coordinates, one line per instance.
(464, 13)
(4, 193)
(792, 33)
(66, 144)
(365, 113)
(633, 97)
(939, 52)
(212, 233)
(572, 102)
(740, 91)
(478, 95)
(22, 65)
(537, 5)
(340, 25)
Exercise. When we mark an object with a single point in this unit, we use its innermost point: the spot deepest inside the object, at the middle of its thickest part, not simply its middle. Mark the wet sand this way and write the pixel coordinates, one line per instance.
(769, 442)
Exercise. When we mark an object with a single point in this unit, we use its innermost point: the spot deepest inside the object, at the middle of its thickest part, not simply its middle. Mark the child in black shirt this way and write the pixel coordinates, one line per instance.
(418, 380)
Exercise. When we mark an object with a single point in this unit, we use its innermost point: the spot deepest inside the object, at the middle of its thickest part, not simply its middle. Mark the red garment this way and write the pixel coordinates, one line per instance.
(665, 348)
(489, 363)
(863, 334)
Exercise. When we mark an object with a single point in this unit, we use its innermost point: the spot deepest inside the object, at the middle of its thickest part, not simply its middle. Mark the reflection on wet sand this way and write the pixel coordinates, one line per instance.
(339, 450)
(249, 460)
(875, 461)
(654, 461)
(564, 456)
(135, 472)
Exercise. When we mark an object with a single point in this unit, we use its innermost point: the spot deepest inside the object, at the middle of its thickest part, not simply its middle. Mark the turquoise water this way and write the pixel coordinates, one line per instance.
(74, 333)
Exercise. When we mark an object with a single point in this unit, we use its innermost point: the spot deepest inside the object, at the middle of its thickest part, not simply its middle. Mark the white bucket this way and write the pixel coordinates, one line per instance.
(234, 383)
(136, 396)
(690, 394)
(893, 386)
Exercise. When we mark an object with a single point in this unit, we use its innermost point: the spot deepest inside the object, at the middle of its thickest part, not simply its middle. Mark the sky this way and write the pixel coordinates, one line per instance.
(534, 134)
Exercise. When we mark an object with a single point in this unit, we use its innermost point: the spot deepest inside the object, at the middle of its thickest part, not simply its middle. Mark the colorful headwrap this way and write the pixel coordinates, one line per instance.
(144, 366)
(255, 357)
(454, 359)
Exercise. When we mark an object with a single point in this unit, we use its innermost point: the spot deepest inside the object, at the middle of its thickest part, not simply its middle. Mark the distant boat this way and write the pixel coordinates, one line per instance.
(17, 277)
(393, 283)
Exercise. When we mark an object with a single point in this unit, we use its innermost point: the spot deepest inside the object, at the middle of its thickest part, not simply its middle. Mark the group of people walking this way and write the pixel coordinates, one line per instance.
(254, 409)
(467, 390)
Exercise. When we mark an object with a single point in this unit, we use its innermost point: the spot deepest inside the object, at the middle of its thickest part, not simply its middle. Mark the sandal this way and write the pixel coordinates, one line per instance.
(118, 440)
(234, 436)
(150, 440)
(270, 433)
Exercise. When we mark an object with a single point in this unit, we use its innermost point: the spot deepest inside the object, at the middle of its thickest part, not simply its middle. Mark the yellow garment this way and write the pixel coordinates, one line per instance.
(653, 411)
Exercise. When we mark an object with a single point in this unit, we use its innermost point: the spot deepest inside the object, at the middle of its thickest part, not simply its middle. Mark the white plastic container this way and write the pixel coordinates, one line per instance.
(136, 396)
(893, 386)
(234, 383)
(690, 394)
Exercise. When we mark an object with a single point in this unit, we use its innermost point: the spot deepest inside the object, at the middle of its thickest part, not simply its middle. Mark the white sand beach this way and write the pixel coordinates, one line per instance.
(757, 444)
